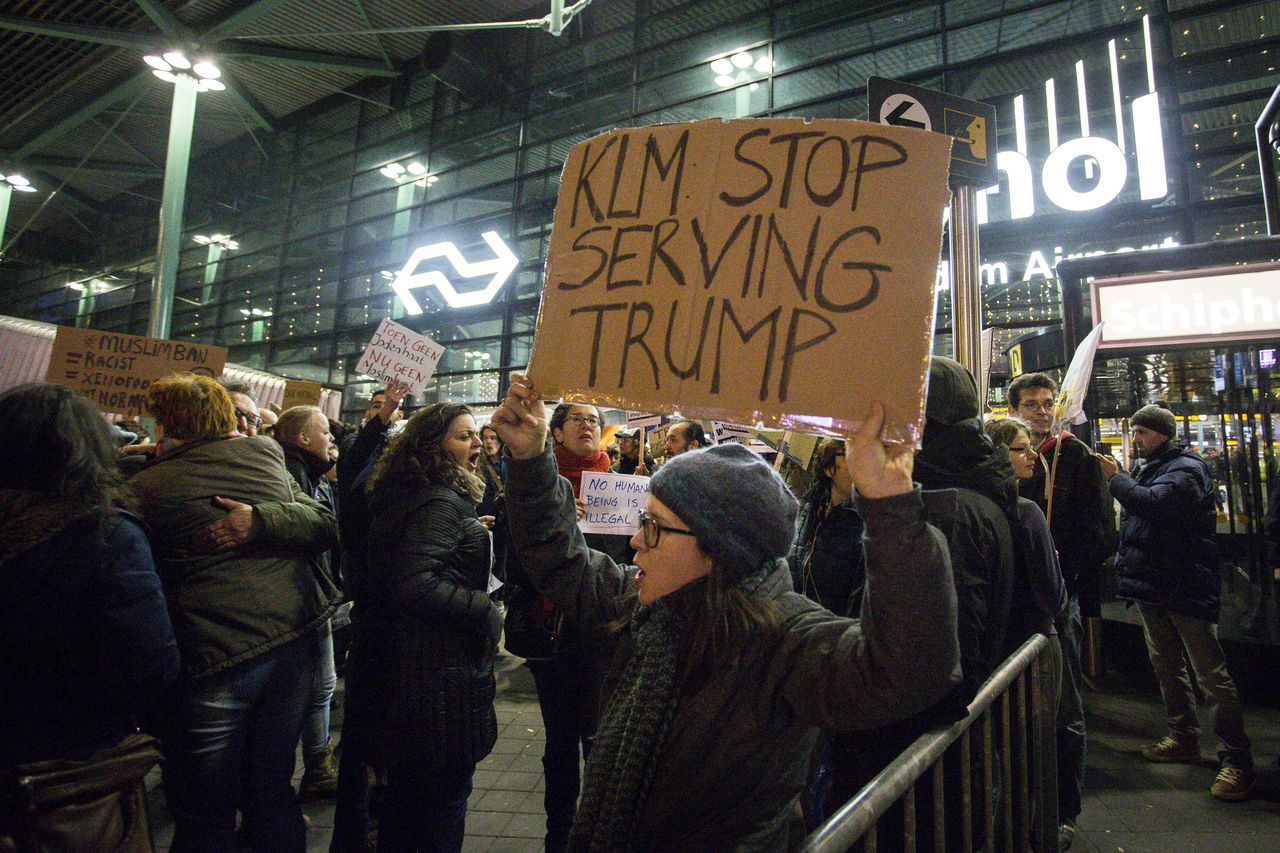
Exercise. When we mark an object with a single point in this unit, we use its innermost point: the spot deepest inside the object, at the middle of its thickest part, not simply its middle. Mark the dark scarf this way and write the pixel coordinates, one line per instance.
(30, 518)
(631, 733)
(572, 465)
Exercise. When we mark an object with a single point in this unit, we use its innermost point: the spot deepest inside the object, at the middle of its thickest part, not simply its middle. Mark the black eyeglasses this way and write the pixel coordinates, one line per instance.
(250, 420)
(653, 530)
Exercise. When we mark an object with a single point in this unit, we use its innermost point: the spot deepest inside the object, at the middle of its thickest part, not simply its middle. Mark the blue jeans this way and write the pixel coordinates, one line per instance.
(424, 809)
(229, 741)
(1070, 723)
(315, 723)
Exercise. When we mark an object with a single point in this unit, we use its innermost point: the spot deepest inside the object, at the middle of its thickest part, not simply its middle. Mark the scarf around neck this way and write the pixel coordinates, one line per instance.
(631, 734)
(572, 465)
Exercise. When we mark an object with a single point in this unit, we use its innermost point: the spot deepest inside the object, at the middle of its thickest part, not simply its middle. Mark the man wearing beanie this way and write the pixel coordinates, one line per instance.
(1167, 567)
(720, 675)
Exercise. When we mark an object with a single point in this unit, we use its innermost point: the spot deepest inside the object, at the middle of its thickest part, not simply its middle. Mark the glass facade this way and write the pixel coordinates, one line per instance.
(306, 226)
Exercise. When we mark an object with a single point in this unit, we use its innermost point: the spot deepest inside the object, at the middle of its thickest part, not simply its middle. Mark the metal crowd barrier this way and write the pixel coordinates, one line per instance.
(1016, 713)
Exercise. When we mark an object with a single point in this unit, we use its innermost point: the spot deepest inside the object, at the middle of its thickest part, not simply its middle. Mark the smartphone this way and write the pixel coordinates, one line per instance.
(1102, 448)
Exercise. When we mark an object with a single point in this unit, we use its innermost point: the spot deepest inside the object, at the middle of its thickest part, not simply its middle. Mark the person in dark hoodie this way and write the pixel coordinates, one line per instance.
(955, 455)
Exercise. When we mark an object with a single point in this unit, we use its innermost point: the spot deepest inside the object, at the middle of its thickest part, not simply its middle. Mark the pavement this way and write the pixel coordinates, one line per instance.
(1130, 805)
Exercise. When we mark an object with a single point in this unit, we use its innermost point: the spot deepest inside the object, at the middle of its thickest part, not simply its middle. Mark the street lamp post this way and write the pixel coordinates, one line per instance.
(188, 79)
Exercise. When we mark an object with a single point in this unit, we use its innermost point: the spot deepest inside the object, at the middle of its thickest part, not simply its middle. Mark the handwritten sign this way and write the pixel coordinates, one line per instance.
(737, 270)
(400, 354)
(300, 392)
(613, 502)
(114, 370)
(642, 419)
(722, 432)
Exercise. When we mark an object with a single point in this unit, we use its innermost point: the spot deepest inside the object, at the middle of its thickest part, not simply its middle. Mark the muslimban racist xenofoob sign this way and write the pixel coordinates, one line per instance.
(774, 270)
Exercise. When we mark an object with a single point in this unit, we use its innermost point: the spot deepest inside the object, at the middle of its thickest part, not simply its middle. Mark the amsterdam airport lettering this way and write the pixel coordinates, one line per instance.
(834, 270)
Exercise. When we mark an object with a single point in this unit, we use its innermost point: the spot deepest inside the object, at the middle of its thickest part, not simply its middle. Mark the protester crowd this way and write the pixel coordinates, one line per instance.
(729, 674)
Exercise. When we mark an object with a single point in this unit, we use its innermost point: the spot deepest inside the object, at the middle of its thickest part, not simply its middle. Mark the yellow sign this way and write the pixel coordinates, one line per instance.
(1015, 360)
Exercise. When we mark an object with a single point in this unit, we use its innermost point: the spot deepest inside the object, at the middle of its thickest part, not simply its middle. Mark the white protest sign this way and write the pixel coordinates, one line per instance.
(642, 419)
(397, 353)
(722, 432)
(614, 502)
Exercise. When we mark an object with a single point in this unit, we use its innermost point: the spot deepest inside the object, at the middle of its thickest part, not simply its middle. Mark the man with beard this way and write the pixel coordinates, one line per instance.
(1167, 567)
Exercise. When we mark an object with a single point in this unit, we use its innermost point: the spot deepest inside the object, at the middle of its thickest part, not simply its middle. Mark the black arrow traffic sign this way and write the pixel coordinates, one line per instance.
(897, 116)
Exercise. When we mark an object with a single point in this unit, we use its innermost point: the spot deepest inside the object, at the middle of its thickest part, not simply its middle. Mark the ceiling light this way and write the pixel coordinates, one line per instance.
(722, 66)
(416, 168)
(157, 63)
(202, 240)
(166, 76)
(207, 69)
(764, 65)
(431, 179)
(177, 59)
(17, 180)
(25, 188)
(742, 60)
(75, 285)
(725, 80)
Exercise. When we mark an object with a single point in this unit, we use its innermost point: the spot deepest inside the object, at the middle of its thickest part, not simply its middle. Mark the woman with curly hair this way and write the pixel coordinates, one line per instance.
(421, 685)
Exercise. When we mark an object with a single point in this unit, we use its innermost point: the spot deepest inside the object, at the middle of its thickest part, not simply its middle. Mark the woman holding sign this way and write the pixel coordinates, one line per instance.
(421, 685)
(719, 675)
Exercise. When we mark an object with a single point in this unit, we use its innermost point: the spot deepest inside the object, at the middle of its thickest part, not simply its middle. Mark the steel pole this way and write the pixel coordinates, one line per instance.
(169, 244)
(966, 294)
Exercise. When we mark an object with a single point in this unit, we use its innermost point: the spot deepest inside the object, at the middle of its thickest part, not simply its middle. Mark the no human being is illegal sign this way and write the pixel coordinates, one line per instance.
(774, 270)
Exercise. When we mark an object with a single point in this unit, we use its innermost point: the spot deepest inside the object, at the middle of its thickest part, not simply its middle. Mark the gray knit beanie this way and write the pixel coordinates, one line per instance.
(735, 503)
(1157, 419)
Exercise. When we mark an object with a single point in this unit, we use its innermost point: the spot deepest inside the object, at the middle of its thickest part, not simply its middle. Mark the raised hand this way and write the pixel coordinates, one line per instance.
(521, 420)
(390, 411)
(878, 470)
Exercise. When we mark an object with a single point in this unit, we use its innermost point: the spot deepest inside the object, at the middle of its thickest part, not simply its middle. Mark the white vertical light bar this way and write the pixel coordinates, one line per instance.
(1151, 60)
(1084, 101)
(1115, 93)
(1148, 145)
(1020, 124)
(1051, 110)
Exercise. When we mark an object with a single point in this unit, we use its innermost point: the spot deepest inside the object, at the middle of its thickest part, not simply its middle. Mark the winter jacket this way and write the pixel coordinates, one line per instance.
(230, 607)
(826, 557)
(87, 643)
(308, 471)
(1083, 518)
(1167, 555)
(356, 461)
(422, 684)
(1039, 593)
(736, 755)
(980, 538)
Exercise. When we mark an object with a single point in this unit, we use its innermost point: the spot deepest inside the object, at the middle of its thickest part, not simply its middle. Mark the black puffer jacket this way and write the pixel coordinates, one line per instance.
(423, 658)
(1167, 555)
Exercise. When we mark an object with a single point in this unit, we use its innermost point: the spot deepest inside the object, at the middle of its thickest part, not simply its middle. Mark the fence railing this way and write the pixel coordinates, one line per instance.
(1014, 717)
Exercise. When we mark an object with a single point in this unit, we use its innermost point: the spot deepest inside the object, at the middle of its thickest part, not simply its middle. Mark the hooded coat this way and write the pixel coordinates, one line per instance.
(1167, 554)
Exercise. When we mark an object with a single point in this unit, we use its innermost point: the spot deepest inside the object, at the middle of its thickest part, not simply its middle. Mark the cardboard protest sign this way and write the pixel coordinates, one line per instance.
(114, 370)
(657, 437)
(614, 502)
(300, 392)
(774, 270)
(800, 447)
(397, 353)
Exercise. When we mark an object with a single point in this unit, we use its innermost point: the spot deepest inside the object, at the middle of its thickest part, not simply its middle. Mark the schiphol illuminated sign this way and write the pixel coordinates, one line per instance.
(1201, 306)
(499, 268)
(1105, 161)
